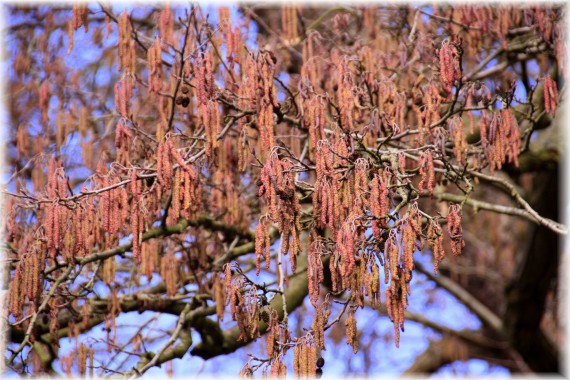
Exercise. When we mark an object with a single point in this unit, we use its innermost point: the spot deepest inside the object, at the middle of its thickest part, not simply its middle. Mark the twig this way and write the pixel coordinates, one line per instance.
(173, 338)
(556, 227)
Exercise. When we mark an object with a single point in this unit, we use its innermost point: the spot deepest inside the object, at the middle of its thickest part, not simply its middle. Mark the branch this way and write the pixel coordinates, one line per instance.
(476, 204)
(535, 274)
(268, 29)
(295, 295)
(481, 311)
(451, 348)
(177, 351)
(180, 72)
(433, 358)
(556, 227)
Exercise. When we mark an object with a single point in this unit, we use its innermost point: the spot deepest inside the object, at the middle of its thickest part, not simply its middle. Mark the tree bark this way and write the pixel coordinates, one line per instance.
(536, 272)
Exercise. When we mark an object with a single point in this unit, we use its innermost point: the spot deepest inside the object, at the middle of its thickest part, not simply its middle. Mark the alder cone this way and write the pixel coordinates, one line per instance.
(265, 164)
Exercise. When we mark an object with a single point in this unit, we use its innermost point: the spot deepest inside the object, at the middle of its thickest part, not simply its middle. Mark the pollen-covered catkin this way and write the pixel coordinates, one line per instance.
(351, 332)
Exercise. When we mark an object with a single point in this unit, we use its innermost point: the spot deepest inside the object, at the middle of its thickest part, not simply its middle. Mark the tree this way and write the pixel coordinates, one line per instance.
(283, 176)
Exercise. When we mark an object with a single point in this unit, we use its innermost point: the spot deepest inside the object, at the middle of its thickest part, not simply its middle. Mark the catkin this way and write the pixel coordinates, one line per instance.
(82, 359)
(550, 91)
(351, 332)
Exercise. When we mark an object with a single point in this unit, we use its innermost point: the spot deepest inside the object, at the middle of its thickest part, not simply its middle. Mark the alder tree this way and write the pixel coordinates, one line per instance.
(241, 168)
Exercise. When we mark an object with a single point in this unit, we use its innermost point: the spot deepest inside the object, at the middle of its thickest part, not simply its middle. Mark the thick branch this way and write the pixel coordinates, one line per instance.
(482, 205)
(485, 315)
(536, 272)
(295, 295)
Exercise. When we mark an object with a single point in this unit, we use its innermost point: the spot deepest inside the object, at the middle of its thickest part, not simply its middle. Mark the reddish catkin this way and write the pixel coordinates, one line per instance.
(174, 213)
(82, 359)
(332, 210)
(351, 332)
(125, 31)
(80, 17)
(393, 255)
(345, 244)
(135, 216)
(393, 302)
(318, 326)
(204, 112)
(80, 238)
(243, 152)
(297, 360)
(166, 167)
(383, 200)
(259, 243)
(44, 96)
(169, 272)
(449, 65)
(513, 140)
(166, 25)
(70, 34)
(115, 214)
(315, 270)
(219, 296)
(201, 83)
(282, 370)
(435, 240)
(375, 284)
(546, 93)
(550, 95)
(311, 360)
(459, 141)
(430, 172)
(267, 250)
(409, 242)
(274, 371)
(303, 360)
(427, 172)
(106, 205)
(16, 294)
(324, 192)
(51, 208)
(361, 180)
(272, 335)
(375, 207)
(401, 320)
(124, 90)
(210, 82)
(405, 277)
(149, 255)
(214, 125)
(224, 19)
(154, 62)
(160, 164)
(289, 23)
(124, 201)
(227, 278)
(446, 64)
(295, 247)
(454, 229)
